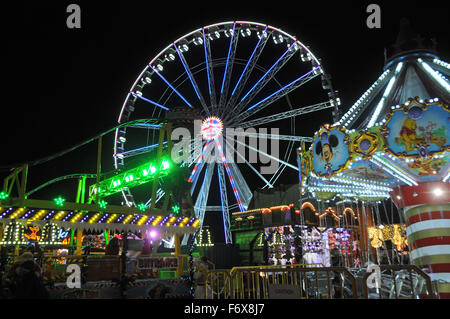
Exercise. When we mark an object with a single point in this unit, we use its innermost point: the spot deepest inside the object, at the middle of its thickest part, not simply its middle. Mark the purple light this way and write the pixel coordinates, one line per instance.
(150, 101)
(167, 82)
(153, 234)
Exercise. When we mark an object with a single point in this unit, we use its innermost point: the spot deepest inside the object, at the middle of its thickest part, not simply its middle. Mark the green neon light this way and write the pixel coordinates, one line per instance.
(176, 209)
(142, 206)
(142, 174)
(3, 195)
(59, 201)
(165, 165)
(102, 204)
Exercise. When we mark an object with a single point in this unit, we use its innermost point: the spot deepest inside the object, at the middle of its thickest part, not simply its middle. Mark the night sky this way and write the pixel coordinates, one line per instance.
(61, 86)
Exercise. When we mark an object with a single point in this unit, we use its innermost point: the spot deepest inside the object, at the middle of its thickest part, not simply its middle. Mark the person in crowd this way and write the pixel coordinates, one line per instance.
(335, 256)
(200, 278)
(24, 278)
(113, 247)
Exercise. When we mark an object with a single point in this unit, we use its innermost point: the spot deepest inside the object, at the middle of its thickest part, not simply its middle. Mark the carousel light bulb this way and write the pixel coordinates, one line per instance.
(438, 192)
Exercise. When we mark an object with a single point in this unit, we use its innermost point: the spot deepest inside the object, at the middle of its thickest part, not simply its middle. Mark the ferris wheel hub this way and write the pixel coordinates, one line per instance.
(211, 128)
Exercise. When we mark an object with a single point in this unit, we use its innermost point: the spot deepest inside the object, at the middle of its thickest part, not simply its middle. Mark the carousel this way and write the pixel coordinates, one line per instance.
(389, 155)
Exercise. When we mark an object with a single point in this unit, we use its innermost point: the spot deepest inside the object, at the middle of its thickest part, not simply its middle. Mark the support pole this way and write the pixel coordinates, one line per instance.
(16, 252)
(99, 165)
(166, 129)
(1, 234)
(178, 255)
(80, 199)
(23, 184)
(79, 241)
(107, 236)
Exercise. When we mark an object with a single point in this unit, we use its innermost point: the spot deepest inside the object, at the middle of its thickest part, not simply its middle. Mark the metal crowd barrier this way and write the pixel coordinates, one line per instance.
(399, 282)
(304, 281)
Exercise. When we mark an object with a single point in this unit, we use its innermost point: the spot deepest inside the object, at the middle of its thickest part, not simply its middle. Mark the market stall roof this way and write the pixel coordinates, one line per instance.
(89, 217)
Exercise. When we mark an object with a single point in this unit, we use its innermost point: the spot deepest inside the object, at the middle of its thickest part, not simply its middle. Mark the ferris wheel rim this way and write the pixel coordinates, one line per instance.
(208, 27)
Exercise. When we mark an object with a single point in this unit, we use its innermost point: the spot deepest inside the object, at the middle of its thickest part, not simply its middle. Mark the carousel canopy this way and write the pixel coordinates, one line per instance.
(413, 69)
(396, 134)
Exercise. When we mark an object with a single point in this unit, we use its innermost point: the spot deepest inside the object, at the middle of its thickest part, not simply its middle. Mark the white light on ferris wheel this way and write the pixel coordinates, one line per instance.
(198, 41)
(246, 33)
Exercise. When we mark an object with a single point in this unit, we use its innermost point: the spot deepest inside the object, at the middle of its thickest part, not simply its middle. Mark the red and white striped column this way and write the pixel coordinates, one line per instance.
(427, 215)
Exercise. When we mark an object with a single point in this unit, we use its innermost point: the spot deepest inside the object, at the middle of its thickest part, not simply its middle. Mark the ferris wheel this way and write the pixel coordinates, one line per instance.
(235, 75)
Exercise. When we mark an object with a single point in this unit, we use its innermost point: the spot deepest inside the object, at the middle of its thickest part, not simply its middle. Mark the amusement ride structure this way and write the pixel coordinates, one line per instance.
(226, 76)
(394, 142)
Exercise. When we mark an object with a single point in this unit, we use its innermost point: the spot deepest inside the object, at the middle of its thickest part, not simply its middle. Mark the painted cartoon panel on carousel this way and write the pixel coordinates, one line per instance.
(330, 150)
(367, 170)
(418, 129)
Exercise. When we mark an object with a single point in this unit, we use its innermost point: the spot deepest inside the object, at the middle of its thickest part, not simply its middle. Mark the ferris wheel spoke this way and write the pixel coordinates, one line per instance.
(146, 126)
(268, 155)
(196, 176)
(198, 161)
(284, 115)
(230, 176)
(251, 63)
(276, 95)
(159, 194)
(261, 83)
(149, 101)
(229, 67)
(224, 201)
(192, 80)
(252, 167)
(274, 136)
(202, 198)
(277, 174)
(209, 71)
(244, 191)
(171, 86)
(197, 141)
(138, 151)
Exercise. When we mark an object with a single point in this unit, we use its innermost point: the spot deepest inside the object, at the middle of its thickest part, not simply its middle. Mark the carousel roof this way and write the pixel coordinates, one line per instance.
(412, 70)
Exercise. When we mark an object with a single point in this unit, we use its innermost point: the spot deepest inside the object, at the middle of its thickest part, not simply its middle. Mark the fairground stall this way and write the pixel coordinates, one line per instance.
(393, 143)
(283, 235)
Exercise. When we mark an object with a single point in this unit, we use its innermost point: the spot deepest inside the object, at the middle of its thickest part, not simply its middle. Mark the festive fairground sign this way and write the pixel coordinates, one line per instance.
(144, 263)
(49, 234)
(330, 151)
(418, 130)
